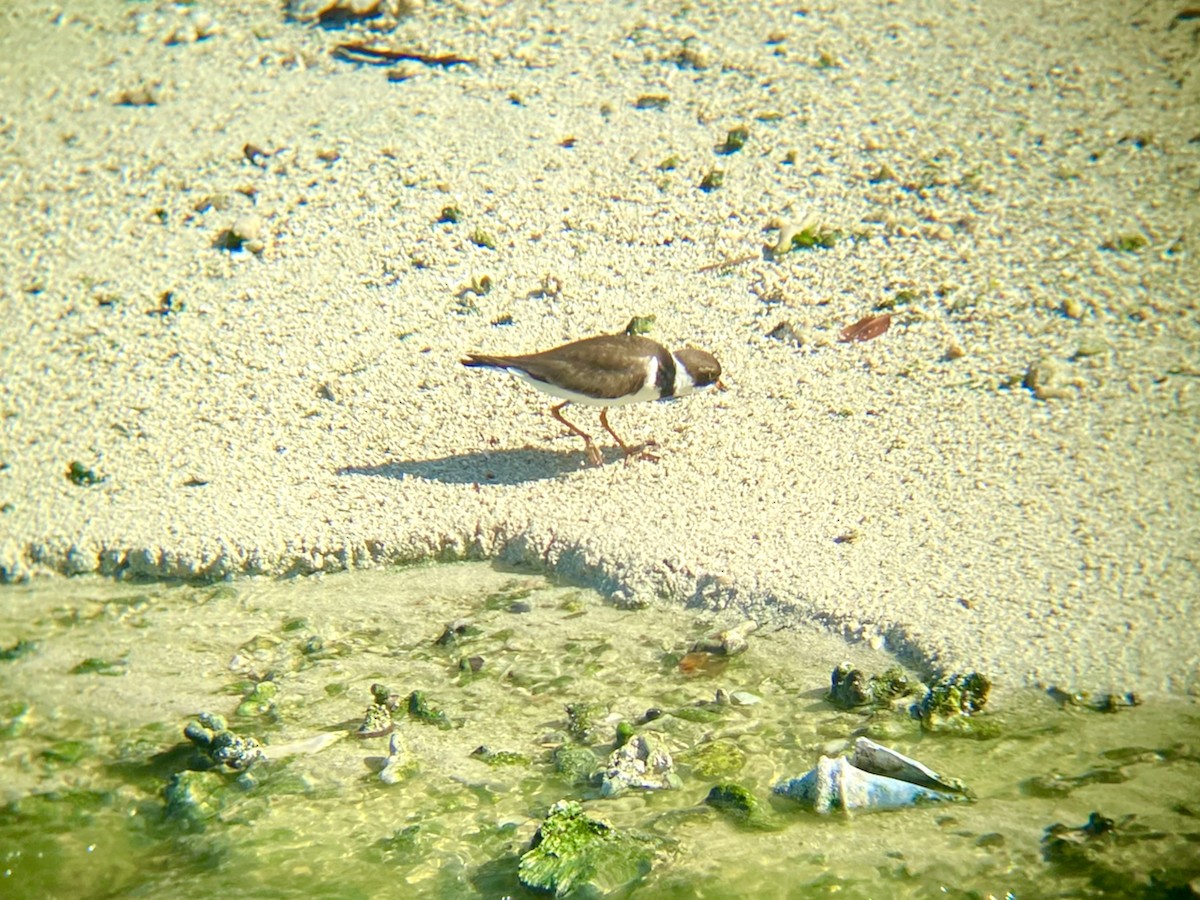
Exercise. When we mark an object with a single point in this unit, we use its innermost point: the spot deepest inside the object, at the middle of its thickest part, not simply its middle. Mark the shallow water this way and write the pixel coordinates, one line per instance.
(91, 720)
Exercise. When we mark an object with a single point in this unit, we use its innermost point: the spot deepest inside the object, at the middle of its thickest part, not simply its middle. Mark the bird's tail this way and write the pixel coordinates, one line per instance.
(477, 360)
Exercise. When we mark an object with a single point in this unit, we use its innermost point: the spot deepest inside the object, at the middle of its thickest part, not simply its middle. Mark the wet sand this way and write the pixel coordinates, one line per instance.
(229, 294)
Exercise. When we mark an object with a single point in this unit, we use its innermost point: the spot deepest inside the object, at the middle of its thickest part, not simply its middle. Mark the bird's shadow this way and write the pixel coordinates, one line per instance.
(494, 467)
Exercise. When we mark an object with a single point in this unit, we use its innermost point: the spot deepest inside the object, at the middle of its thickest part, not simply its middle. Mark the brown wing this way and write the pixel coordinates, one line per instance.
(595, 367)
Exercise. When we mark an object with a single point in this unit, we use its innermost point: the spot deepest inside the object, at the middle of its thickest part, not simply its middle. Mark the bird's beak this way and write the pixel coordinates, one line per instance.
(720, 385)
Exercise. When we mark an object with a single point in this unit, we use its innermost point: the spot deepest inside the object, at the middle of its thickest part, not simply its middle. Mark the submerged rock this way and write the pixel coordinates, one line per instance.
(721, 758)
(948, 705)
(260, 700)
(585, 721)
(457, 631)
(1104, 703)
(420, 709)
(641, 763)
(736, 803)
(194, 797)
(573, 853)
(212, 737)
(1123, 857)
(377, 721)
(576, 764)
(729, 642)
(1079, 846)
(399, 763)
(499, 757)
(850, 687)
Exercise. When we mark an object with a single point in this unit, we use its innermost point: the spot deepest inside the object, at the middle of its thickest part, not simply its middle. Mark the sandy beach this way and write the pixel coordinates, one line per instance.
(243, 261)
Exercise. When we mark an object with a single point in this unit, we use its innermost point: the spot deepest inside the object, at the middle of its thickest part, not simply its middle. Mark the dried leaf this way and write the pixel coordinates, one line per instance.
(699, 662)
(865, 329)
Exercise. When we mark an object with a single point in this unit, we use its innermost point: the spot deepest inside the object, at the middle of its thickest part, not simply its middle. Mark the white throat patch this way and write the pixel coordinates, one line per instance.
(684, 383)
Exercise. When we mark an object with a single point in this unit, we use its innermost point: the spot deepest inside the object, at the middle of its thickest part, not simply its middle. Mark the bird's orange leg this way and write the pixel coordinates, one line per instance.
(590, 450)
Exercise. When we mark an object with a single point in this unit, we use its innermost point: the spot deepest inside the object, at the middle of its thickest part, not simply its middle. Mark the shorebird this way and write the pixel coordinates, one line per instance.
(608, 370)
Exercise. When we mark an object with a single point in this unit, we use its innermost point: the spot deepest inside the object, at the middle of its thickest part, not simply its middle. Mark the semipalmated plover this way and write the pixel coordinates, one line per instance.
(609, 370)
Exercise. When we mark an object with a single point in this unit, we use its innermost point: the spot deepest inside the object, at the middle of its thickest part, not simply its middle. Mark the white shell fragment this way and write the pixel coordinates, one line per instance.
(873, 778)
(314, 744)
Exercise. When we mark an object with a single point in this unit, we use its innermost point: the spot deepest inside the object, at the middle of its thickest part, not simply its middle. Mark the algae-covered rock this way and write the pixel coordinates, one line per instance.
(456, 632)
(573, 854)
(420, 709)
(949, 704)
(640, 325)
(850, 687)
(499, 757)
(1079, 846)
(585, 721)
(716, 759)
(212, 737)
(195, 797)
(576, 764)
(700, 715)
(1103, 703)
(260, 701)
(642, 763)
(1058, 785)
(736, 803)
(377, 720)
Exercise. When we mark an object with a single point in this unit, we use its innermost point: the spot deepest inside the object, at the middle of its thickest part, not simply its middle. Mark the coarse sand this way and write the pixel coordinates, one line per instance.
(241, 266)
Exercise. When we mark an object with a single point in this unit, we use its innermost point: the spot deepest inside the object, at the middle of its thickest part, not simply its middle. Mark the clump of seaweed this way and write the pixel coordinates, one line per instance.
(652, 101)
(640, 325)
(712, 180)
(810, 238)
(497, 758)
(420, 709)
(78, 473)
(481, 238)
(735, 140)
(1126, 243)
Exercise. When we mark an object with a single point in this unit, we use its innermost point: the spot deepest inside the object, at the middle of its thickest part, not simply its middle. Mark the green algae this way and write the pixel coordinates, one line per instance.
(79, 474)
(717, 759)
(421, 709)
(574, 852)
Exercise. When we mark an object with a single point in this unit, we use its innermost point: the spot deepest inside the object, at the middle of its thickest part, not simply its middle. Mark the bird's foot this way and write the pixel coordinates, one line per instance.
(593, 454)
(641, 452)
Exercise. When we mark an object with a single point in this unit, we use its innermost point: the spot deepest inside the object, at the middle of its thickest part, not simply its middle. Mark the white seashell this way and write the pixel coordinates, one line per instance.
(842, 784)
(872, 757)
